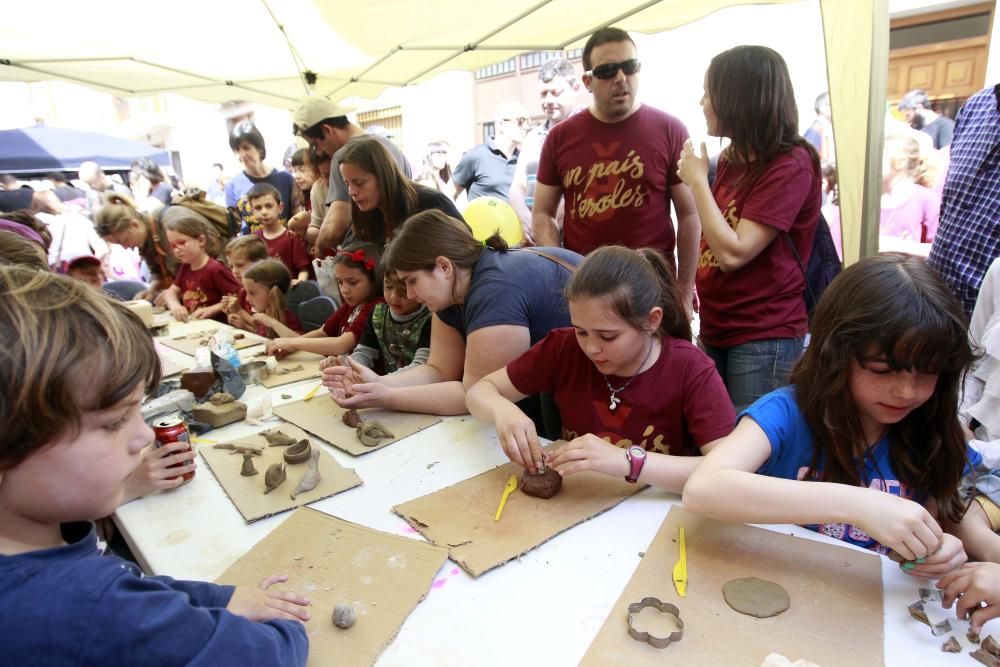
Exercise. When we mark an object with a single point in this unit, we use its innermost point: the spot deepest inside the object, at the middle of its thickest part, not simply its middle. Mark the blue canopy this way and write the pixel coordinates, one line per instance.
(40, 149)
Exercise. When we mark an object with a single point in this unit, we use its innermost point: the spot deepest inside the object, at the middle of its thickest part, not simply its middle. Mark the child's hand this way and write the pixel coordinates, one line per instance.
(973, 585)
(900, 524)
(293, 283)
(280, 347)
(154, 470)
(202, 313)
(230, 304)
(518, 437)
(240, 320)
(260, 604)
(262, 318)
(588, 452)
(950, 556)
(693, 167)
(179, 312)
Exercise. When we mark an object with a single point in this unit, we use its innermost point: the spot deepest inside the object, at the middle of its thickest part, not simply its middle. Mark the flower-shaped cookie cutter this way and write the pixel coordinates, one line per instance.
(662, 607)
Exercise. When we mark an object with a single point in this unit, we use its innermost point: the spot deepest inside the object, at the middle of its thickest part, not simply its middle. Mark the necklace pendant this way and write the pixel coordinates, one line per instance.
(614, 402)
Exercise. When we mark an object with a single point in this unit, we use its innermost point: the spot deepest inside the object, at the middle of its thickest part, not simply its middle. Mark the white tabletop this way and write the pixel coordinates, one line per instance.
(195, 532)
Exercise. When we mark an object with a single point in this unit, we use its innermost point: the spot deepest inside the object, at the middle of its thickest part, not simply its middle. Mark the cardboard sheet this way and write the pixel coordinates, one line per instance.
(460, 517)
(307, 360)
(835, 617)
(188, 342)
(321, 416)
(333, 562)
(247, 493)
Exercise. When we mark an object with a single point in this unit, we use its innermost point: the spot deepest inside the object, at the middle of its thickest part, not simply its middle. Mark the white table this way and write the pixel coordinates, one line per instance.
(195, 532)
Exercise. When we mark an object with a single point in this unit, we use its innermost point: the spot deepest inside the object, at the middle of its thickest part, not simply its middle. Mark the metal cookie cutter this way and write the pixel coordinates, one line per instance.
(663, 607)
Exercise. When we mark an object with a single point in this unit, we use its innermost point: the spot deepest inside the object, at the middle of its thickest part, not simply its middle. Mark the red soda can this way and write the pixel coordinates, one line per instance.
(173, 429)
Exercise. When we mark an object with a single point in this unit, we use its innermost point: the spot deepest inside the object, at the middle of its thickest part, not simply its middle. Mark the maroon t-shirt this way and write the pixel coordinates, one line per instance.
(291, 321)
(615, 178)
(206, 286)
(290, 249)
(763, 299)
(351, 319)
(674, 407)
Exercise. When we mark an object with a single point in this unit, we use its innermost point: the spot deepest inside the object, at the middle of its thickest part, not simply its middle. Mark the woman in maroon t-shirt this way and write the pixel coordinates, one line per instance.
(767, 186)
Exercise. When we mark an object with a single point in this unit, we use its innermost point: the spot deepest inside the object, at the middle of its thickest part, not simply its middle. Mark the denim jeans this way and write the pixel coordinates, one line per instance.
(753, 369)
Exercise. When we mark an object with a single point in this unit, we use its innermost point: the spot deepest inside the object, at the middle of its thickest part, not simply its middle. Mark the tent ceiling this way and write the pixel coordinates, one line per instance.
(226, 50)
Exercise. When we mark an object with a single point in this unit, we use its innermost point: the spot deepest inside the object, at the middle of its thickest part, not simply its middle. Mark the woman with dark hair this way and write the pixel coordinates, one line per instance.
(436, 172)
(490, 305)
(247, 145)
(381, 196)
(758, 222)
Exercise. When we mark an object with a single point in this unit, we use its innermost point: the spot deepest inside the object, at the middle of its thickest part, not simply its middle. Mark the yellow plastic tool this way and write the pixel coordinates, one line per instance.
(204, 441)
(312, 392)
(507, 490)
(681, 567)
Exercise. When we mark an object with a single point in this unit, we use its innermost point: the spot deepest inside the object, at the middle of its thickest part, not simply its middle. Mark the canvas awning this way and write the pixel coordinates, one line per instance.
(38, 149)
(226, 50)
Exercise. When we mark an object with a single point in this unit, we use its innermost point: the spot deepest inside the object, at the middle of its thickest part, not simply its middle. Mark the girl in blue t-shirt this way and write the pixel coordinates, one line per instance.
(865, 445)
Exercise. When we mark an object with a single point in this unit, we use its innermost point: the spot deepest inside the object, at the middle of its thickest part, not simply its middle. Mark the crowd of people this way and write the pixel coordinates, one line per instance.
(880, 429)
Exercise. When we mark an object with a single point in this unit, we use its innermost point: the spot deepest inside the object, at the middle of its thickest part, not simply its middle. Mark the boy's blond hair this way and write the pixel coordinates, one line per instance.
(70, 350)
(251, 245)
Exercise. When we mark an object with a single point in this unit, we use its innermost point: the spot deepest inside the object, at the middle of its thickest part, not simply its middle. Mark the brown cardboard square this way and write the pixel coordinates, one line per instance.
(460, 517)
(321, 416)
(247, 493)
(835, 617)
(190, 342)
(307, 360)
(332, 561)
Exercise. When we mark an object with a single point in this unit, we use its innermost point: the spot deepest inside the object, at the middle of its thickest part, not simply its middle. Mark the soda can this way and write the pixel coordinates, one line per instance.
(172, 429)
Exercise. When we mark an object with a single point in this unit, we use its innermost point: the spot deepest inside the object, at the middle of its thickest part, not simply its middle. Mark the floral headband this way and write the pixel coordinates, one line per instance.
(359, 257)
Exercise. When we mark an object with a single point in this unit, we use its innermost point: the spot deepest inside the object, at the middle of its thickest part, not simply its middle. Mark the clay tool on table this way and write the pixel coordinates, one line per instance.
(204, 441)
(312, 392)
(507, 490)
(681, 567)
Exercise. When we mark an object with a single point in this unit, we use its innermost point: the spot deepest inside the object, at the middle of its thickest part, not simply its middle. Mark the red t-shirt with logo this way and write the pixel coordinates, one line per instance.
(289, 249)
(763, 299)
(615, 178)
(674, 407)
(206, 286)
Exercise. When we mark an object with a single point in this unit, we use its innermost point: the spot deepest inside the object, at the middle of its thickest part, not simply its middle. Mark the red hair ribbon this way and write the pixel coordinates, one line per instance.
(359, 257)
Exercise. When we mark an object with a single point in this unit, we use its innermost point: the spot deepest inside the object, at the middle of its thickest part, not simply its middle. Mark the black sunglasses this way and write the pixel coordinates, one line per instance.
(608, 70)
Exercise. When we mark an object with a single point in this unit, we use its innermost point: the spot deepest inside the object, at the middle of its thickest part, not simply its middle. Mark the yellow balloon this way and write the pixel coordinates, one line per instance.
(488, 215)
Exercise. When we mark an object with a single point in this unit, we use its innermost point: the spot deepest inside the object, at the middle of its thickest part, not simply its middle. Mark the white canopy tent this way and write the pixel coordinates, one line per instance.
(226, 50)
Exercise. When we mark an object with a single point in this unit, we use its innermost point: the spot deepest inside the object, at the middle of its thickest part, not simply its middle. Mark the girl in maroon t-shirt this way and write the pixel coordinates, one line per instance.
(266, 283)
(202, 280)
(766, 198)
(626, 379)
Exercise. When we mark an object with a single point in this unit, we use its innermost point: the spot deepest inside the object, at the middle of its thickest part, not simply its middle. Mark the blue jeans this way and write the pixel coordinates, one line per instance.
(753, 369)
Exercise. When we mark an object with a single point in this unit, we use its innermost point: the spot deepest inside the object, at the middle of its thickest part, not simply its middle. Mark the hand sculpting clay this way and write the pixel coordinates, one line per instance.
(276, 438)
(310, 478)
(541, 485)
(274, 476)
(344, 616)
(248, 470)
(370, 432)
(352, 418)
(299, 452)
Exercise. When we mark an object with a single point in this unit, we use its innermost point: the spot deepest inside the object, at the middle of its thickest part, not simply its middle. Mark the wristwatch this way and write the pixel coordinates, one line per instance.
(636, 457)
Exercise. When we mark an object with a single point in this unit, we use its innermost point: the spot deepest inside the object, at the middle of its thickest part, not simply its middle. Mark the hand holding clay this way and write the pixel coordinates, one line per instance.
(341, 376)
(179, 312)
(949, 557)
(154, 469)
(259, 604)
(365, 395)
(230, 305)
(201, 313)
(973, 585)
(280, 347)
(588, 452)
(240, 321)
(902, 525)
(517, 435)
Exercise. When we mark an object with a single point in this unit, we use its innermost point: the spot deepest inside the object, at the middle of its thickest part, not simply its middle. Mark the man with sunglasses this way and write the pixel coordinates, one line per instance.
(487, 169)
(615, 166)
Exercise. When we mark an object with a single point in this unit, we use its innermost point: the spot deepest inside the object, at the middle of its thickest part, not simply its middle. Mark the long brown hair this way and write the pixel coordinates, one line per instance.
(118, 210)
(634, 282)
(274, 275)
(891, 307)
(752, 96)
(397, 194)
(433, 233)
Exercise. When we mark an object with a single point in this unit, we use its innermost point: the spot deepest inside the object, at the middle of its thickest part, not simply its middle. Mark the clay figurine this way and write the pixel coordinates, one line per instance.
(541, 485)
(276, 438)
(951, 646)
(299, 452)
(248, 470)
(310, 478)
(352, 418)
(988, 653)
(239, 449)
(370, 432)
(344, 616)
(288, 369)
(221, 398)
(274, 476)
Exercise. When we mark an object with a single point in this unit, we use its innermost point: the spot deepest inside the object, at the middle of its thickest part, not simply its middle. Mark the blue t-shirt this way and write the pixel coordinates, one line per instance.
(72, 606)
(515, 287)
(240, 184)
(792, 448)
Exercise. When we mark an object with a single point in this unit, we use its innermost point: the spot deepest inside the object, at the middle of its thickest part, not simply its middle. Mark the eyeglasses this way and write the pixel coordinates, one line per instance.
(518, 121)
(609, 70)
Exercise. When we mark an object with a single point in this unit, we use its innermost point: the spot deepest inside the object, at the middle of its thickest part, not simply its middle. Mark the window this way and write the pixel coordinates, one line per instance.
(385, 122)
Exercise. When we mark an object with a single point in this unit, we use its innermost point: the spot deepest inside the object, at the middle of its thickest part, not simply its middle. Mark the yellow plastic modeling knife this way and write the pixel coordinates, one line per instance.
(507, 490)
(681, 567)
(312, 392)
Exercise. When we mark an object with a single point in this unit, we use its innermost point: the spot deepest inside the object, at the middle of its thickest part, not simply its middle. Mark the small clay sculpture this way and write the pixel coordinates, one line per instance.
(248, 470)
(951, 646)
(991, 646)
(299, 452)
(972, 636)
(985, 657)
(286, 396)
(310, 478)
(344, 616)
(541, 485)
(221, 398)
(352, 418)
(755, 597)
(276, 438)
(239, 336)
(274, 476)
(285, 370)
(239, 449)
(370, 432)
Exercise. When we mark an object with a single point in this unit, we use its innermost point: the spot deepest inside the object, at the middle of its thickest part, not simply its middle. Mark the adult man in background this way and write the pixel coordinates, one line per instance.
(916, 107)
(326, 128)
(615, 165)
(487, 169)
(558, 89)
(99, 183)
